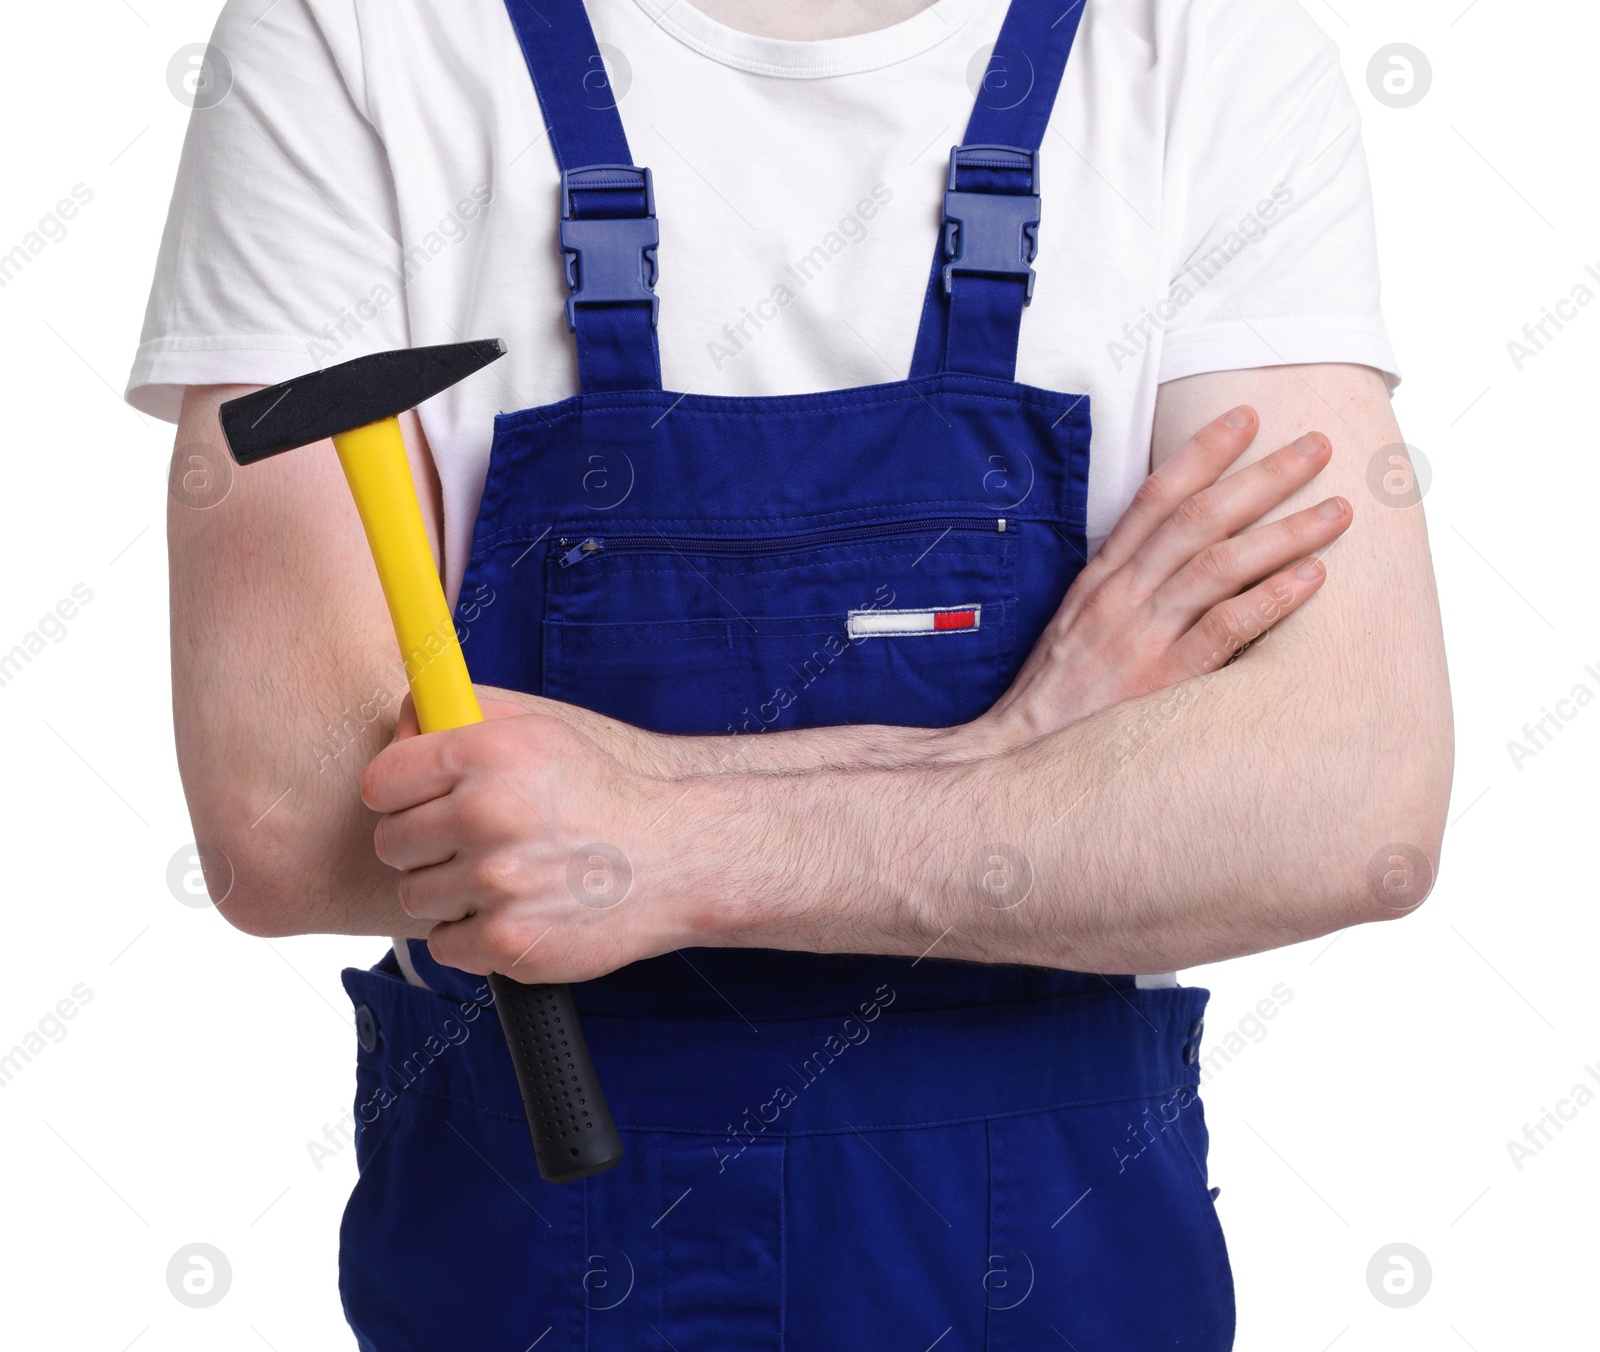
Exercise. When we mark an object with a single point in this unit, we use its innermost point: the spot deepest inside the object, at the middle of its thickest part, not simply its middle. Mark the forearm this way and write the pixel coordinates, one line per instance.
(854, 746)
(1179, 828)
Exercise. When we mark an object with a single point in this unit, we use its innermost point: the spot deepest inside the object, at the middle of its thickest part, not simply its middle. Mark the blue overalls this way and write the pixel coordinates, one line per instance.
(823, 1153)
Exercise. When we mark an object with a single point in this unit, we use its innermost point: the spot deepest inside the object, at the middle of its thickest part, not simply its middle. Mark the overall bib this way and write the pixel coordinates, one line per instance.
(823, 1153)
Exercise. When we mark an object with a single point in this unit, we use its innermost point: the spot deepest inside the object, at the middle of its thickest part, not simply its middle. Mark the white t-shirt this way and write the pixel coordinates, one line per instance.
(378, 176)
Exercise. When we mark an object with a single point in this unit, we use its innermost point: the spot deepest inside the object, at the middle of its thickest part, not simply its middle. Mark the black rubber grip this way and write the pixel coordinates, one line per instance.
(573, 1134)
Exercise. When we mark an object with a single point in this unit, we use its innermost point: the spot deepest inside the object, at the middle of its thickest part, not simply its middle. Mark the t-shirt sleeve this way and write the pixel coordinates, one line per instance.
(282, 228)
(1274, 255)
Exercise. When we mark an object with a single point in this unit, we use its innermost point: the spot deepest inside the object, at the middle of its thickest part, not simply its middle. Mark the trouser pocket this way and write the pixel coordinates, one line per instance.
(1103, 1231)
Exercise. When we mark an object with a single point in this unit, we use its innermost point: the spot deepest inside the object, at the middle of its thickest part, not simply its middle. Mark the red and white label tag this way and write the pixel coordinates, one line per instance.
(889, 623)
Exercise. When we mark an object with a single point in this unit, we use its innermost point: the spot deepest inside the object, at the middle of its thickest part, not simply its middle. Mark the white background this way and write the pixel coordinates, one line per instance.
(1377, 1104)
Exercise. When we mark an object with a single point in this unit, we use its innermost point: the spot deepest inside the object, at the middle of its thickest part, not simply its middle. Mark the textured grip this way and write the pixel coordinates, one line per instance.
(573, 1134)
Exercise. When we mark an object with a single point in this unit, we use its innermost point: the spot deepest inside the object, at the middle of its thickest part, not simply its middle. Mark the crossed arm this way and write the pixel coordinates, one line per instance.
(1150, 805)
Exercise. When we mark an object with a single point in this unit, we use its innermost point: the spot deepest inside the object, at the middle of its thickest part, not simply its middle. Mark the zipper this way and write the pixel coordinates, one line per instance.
(574, 552)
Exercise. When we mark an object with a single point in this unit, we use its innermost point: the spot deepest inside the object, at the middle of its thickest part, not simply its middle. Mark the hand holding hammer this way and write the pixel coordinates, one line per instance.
(357, 403)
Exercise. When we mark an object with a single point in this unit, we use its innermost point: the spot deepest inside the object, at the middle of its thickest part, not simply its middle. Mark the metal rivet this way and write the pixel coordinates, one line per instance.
(366, 1028)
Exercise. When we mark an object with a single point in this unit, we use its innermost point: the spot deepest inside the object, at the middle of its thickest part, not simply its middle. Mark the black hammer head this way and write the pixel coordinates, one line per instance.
(344, 397)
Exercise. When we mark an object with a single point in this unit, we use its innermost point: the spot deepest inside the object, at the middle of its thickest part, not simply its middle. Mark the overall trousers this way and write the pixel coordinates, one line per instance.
(823, 1153)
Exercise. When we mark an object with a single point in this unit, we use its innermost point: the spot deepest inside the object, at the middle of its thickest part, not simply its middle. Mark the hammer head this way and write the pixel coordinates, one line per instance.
(344, 397)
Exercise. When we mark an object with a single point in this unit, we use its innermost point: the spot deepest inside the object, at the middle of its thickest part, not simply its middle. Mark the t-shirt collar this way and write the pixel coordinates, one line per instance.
(824, 57)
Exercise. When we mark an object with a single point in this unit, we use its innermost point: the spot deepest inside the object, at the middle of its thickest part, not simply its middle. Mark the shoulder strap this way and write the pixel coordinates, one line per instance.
(609, 232)
(982, 276)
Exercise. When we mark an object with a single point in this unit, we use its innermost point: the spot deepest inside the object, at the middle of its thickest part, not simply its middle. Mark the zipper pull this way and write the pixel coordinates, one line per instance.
(581, 551)
(1003, 526)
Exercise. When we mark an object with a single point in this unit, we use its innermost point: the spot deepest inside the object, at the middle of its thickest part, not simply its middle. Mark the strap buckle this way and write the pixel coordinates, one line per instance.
(992, 233)
(610, 249)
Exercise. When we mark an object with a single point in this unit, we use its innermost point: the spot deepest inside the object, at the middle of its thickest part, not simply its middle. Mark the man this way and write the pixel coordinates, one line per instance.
(859, 986)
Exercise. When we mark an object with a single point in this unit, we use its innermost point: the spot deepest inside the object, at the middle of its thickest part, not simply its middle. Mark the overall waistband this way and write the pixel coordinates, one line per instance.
(874, 1068)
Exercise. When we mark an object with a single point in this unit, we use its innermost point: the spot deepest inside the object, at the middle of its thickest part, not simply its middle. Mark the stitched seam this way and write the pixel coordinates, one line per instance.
(830, 618)
(988, 1310)
(586, 1252)
(783, 1243)
(1139, 1096)
(1048, 1007)
(719, 406)
(723, 638)
(527, 534)
(754, 566)
(1205, 1209)
(1032, 398)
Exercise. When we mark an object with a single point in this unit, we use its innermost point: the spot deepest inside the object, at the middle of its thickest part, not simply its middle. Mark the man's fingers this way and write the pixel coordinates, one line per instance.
(1221, 571)
(409, 772)
(1227, 506)
(1229, 626)
(455, 943)
(441, 893)
(419, 836)
(1198, 464)
(482, 942)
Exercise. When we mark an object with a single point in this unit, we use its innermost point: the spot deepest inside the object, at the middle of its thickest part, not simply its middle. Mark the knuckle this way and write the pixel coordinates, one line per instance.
(1218, 562)
(1284, 466)
(1125, 653)
(1220, 629)
(1153, 493)
(1104, 605)
(1196, 510)
(372, 781)
(497, 876)
(502, 938)
(382, 842)
(1277, 602)
(448, 946)
(499, 753)
(1299, 537)
(454, 755)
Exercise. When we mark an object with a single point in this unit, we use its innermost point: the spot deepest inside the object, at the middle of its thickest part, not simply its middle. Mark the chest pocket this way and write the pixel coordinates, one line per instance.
(909, 622)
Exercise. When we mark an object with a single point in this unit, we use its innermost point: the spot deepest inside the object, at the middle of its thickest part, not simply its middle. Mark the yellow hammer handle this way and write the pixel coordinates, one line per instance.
(374, 460)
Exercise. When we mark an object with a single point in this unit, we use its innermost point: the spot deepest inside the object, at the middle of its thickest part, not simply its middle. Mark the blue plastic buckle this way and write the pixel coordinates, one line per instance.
(611, 260)
(991, 234)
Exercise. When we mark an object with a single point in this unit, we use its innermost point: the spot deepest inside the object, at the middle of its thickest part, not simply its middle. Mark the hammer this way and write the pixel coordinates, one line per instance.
(357, 403)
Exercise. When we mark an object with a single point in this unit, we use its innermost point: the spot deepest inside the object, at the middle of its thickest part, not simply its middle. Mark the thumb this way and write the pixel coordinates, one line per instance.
(406, 725)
